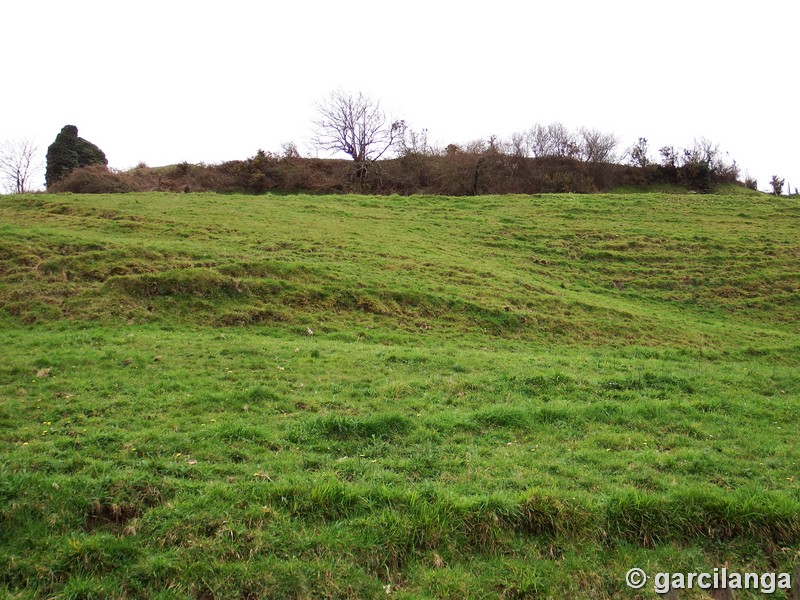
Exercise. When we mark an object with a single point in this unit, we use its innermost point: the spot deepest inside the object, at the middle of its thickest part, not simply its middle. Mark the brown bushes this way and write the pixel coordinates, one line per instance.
(98, 179)
(95, 179)
(456, 172)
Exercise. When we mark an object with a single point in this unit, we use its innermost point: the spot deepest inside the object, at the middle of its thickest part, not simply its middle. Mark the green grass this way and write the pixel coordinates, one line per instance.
(502, 396)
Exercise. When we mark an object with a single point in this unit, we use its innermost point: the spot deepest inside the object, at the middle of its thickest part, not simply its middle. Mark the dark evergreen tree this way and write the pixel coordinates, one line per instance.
(69, 152)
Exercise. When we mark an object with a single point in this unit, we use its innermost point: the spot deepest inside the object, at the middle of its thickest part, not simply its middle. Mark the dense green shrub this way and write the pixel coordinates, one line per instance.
(68, 152)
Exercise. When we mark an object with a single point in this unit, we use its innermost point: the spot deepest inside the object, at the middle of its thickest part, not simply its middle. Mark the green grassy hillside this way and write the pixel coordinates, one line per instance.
(210, 396)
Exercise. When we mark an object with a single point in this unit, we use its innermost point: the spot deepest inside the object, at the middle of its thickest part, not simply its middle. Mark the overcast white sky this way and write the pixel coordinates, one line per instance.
(167, 81)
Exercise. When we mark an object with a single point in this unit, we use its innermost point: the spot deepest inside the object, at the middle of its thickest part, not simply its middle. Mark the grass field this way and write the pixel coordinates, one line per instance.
(210, 396)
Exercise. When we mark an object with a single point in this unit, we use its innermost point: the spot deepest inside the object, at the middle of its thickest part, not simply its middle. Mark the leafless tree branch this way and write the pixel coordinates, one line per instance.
(18, 164)
(356, 125)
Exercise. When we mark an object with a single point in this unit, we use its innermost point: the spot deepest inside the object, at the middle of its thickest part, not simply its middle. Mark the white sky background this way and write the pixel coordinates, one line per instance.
(168, 81)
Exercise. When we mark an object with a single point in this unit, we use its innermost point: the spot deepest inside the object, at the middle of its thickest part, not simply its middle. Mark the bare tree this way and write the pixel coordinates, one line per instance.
(538, 141)
(638, 153)
(289, 150)
(18, 164)
(597, 147)
(669, 157)
(517, 145)
(563, 141)
(702, 151)
(356, 125)
(411, 142)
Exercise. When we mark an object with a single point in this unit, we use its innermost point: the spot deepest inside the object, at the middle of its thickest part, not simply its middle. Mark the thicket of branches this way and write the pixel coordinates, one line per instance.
(490, 166)
(387, 156)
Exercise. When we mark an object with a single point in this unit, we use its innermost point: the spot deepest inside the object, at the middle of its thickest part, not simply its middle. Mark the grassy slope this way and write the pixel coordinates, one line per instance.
(502, 395)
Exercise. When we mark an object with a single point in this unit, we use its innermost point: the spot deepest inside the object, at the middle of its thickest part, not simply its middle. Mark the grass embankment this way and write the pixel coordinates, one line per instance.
(501, 396)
